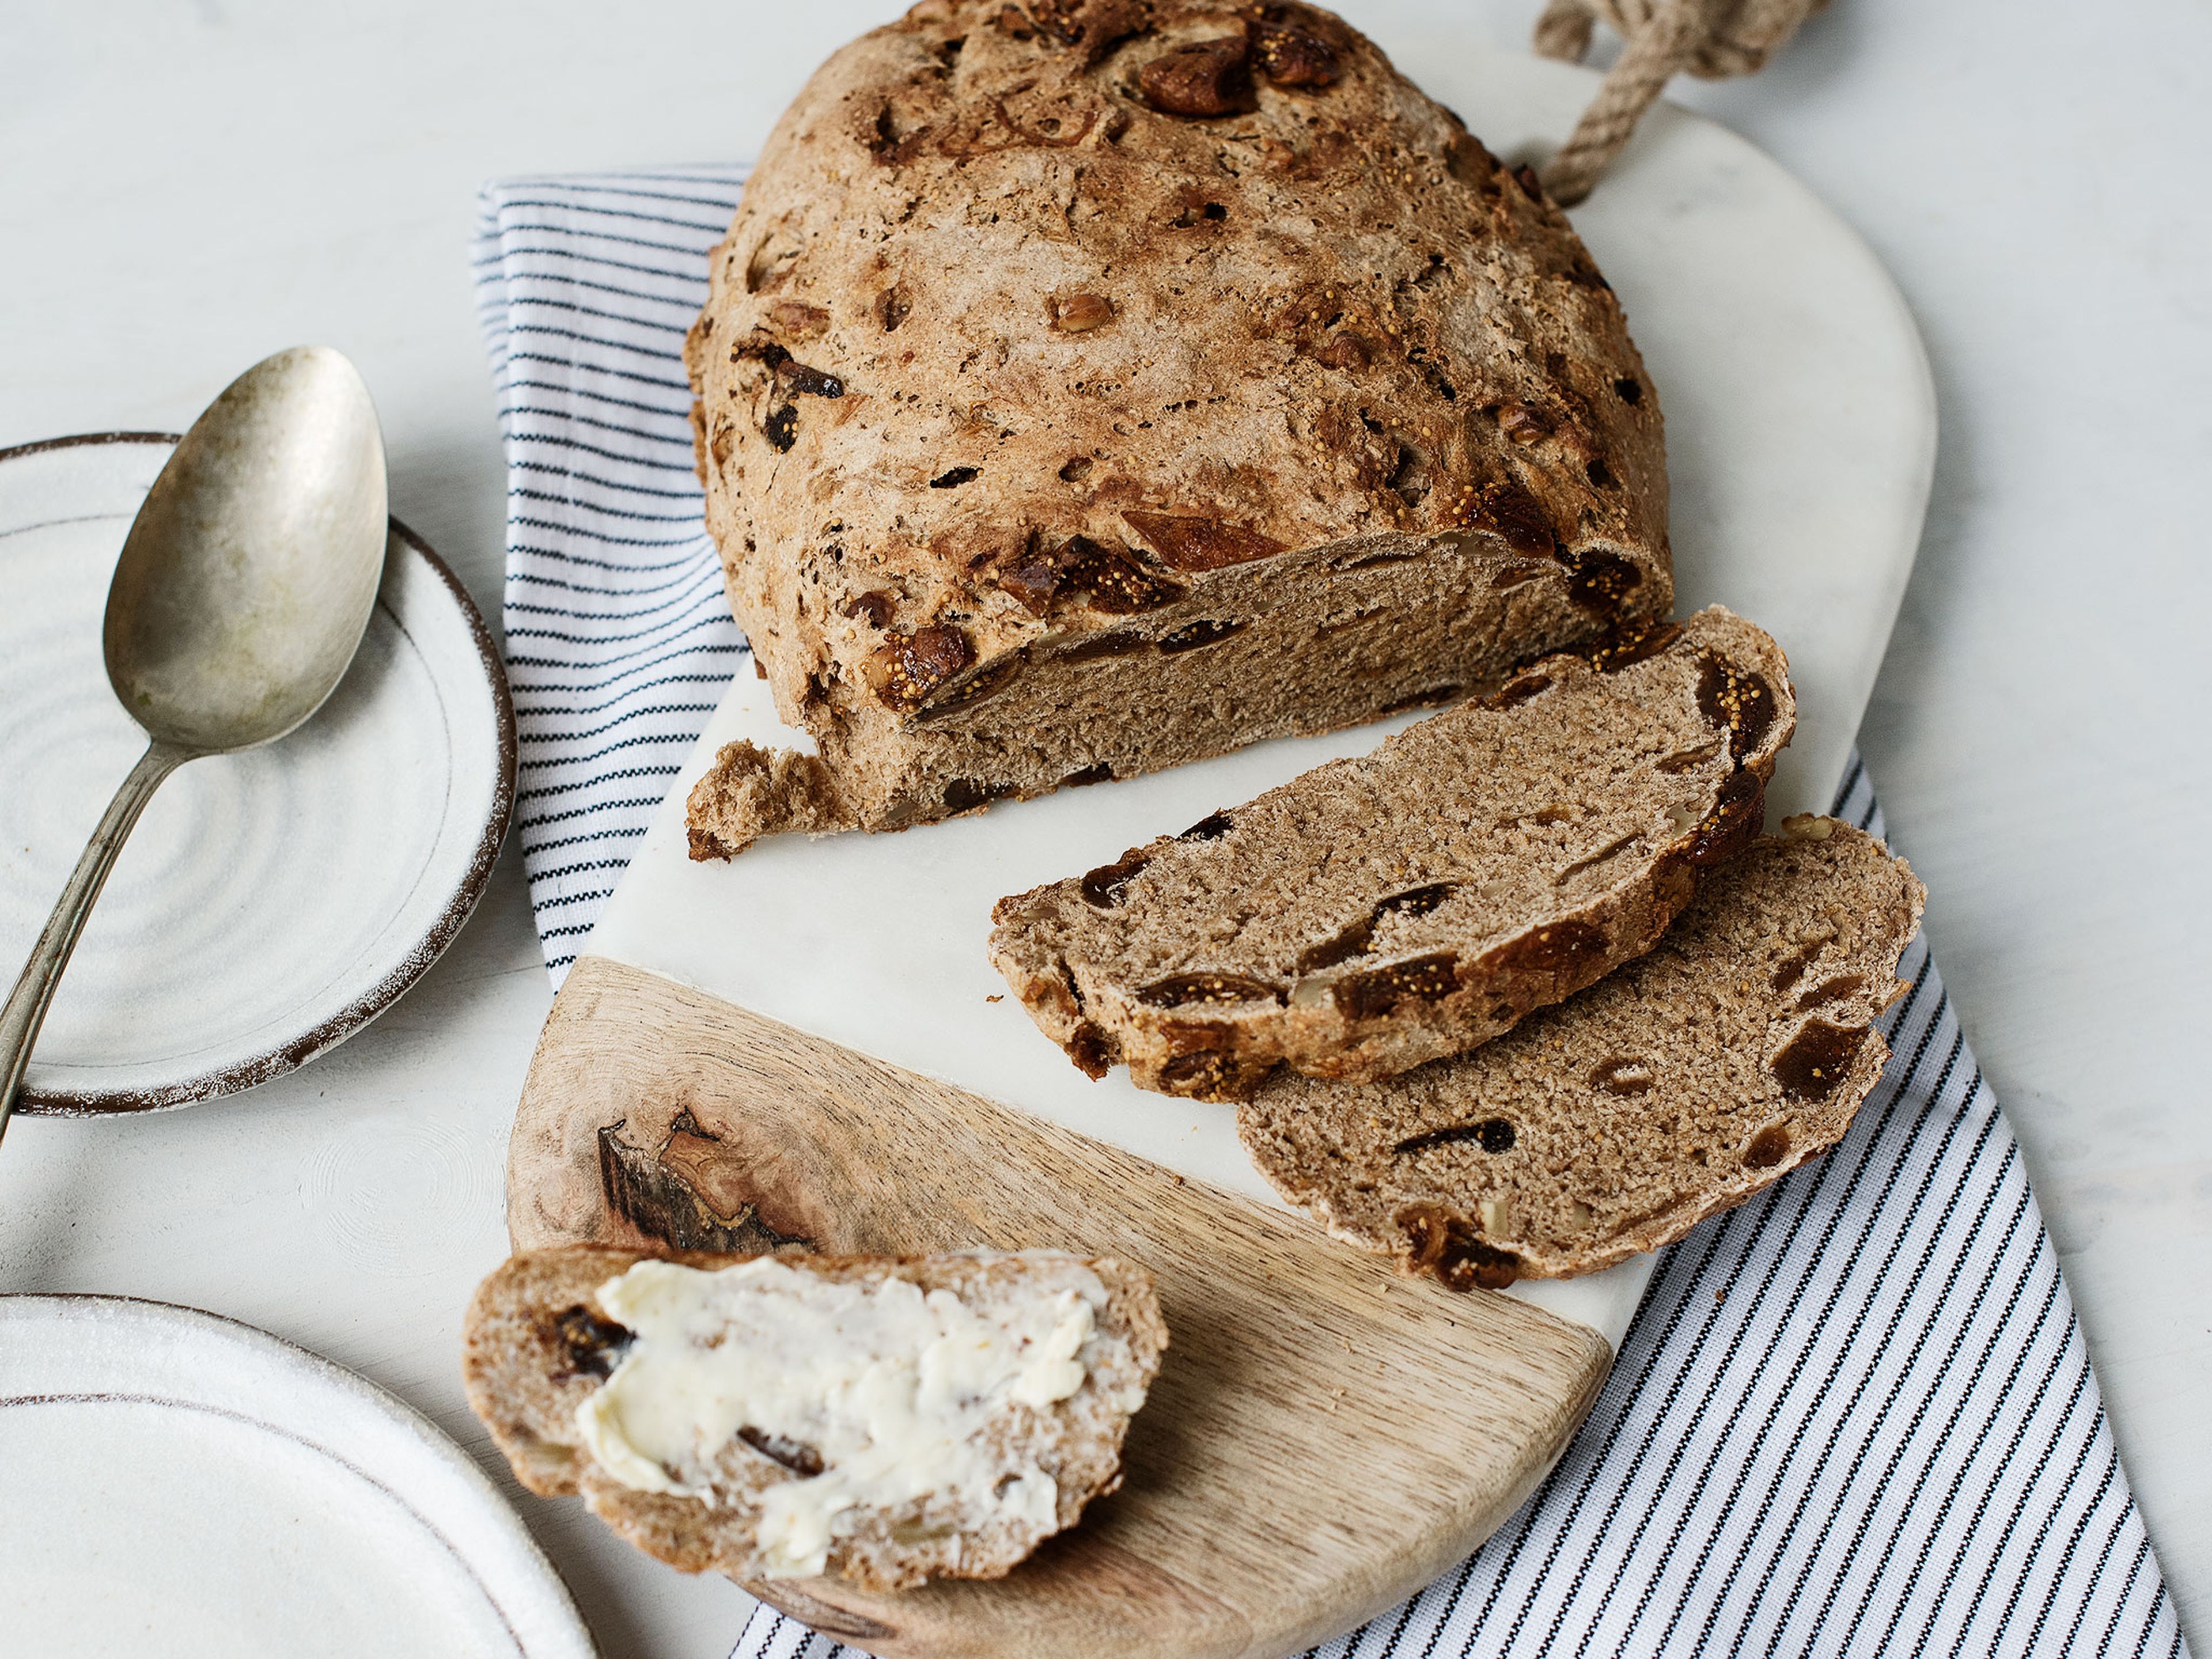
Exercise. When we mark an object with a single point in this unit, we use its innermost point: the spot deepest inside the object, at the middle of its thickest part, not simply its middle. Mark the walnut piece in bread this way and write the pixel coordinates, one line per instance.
(1093, 385)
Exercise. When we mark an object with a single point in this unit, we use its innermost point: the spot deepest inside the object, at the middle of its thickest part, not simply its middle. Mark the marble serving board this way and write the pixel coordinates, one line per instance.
(813, 1028)
(1801, 437)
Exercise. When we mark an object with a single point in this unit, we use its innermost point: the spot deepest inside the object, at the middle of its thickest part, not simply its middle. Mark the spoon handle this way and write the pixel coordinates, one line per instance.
(27, 1003)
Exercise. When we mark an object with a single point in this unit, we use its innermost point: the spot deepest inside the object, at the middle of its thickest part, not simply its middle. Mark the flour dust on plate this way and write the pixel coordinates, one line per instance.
(174, 1474)
(269, 904)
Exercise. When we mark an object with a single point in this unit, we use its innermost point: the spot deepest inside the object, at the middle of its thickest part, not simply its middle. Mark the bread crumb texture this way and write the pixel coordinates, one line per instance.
(1381, 911)
(1612, 1124)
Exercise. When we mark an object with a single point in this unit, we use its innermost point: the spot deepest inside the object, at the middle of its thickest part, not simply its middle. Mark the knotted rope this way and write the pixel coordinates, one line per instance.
(1713, 38)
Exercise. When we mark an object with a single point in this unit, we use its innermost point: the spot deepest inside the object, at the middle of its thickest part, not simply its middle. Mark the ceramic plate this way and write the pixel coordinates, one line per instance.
(183, 1485)
(269, 904)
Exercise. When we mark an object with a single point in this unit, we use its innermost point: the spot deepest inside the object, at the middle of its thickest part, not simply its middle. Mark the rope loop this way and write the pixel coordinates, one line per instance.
(1711, 39)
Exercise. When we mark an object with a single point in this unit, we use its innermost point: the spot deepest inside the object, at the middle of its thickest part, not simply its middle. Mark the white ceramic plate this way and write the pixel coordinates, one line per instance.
(181, 1484)
(269, 904)
(1800, 435)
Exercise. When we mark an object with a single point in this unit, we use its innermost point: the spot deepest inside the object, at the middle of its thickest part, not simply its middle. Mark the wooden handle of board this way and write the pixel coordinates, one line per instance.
(1324, 1437)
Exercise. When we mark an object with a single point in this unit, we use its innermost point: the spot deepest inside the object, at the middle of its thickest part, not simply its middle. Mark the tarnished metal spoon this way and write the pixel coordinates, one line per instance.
(242, 592)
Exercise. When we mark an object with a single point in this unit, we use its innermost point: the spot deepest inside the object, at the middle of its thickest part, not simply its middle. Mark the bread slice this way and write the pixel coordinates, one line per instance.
(1377, 913)
(541, 1345)
(1613, 1124)
(1087, 387)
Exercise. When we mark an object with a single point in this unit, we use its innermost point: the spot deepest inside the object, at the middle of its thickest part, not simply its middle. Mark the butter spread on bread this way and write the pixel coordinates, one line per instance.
(874, 1395)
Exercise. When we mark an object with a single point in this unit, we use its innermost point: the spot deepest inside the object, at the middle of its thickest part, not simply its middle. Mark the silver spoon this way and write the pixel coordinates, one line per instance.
(242, 592)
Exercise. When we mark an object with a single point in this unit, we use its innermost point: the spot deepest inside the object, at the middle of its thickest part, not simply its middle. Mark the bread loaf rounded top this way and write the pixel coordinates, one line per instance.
(1036, 316)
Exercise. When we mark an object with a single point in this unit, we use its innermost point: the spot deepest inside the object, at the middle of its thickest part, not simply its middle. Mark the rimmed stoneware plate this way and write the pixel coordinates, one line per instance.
(181, 1483)
(270, 904)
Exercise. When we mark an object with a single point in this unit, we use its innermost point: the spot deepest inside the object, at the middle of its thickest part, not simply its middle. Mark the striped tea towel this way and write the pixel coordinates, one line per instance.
(1853, 1417)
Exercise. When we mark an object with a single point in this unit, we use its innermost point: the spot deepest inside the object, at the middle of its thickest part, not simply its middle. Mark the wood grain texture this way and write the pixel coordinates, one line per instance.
(1323, 1438)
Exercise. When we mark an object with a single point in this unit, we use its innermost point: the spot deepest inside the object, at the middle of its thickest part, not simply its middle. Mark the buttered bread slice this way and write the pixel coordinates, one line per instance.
(1615, 1122)
(887, 1419)
(1377, 913)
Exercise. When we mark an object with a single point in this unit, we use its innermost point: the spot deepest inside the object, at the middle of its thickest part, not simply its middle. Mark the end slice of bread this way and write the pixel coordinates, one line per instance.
(1672, 1089)
(1379, 912)
(656, 1426)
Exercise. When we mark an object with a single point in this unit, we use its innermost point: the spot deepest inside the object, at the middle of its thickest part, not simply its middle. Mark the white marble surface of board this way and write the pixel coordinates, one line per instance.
(193, 186)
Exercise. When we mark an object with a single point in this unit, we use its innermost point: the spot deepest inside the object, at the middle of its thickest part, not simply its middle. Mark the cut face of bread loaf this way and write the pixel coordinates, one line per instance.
(1379, 912)
(1093, 385)
(1613, 1124)
(890, 1420)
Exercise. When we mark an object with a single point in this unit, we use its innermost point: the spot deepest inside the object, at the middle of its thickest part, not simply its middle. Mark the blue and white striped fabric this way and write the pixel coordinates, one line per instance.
(1855, 1417)
(618, 639)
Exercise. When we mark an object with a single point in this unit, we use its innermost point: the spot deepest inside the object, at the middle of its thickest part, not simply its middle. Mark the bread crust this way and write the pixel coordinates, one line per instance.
(1380, 912)
(527, 1373)
(1055, 429)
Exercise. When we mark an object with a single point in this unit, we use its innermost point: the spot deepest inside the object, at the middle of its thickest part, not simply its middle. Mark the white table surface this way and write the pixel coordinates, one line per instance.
(187, 187)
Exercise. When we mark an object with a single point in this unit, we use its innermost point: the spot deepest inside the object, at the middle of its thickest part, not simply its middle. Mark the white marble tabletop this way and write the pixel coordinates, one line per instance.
(190, 186)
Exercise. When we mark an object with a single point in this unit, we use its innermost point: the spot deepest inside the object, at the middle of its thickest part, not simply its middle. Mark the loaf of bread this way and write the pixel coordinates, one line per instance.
(1091, 386)
(1379, 912)
(889, 1420)
(1674, 1088)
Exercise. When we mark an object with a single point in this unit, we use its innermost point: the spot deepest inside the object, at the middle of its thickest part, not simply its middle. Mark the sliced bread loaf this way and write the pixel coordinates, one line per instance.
(890, 1420)
(1613, 1124)
(1377, 913)
(1087, 387)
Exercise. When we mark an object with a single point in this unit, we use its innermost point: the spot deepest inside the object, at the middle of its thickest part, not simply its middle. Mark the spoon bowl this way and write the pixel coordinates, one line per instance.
(249, 574)
(241, 597)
